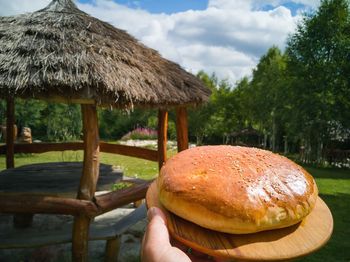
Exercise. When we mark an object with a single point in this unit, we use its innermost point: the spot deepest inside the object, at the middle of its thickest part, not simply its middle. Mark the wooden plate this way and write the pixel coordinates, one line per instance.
(280, 244)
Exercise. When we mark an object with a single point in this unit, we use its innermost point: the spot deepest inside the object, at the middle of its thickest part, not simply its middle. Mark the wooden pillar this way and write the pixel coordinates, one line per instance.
(162, 136)
(88, 181)
(19, 220)
(10, 133)
(112, 249)
(181, 129)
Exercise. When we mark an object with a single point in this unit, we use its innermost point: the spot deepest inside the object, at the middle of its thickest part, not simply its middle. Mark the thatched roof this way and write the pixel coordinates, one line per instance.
(60, 51)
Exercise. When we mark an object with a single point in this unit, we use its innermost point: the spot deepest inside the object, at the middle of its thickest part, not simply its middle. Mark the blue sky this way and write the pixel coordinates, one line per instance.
(163, 6)
(292, 6)
(225, 37)
(171, 6)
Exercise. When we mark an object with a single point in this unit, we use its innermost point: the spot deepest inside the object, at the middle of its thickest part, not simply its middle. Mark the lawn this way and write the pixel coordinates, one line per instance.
(133, 167)
(334, 187)
(333, 184)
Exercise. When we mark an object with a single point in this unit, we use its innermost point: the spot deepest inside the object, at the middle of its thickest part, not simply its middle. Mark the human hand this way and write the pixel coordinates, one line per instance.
(156, 245)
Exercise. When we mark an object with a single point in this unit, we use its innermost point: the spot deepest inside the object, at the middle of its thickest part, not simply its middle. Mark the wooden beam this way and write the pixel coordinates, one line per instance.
(132, 151)
(88, 181)
(181, 129)
(46, 204)
(10, 132)
(44, 147)
(162, 137)
(38, 148)
(112, 200)
(30, 204)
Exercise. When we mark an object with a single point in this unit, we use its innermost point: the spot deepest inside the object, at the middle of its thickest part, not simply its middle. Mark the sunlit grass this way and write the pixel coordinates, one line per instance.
(334, 188)
(131, 166)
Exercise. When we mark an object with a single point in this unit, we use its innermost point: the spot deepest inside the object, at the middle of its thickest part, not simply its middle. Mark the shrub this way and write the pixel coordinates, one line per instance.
(141, 134)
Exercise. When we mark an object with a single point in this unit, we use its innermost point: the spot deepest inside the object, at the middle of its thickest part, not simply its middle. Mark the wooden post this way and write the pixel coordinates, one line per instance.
(181, 129)
(88, 181)
(162, 136)
(112, 249)
(10, 132)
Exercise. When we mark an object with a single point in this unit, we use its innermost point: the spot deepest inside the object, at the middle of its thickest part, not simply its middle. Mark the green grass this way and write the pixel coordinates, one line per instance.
(132, 167)
(333, 184)
(334, 188)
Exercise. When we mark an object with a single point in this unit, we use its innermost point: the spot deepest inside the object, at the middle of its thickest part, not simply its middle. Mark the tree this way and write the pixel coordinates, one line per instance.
(116, 123)
(198, 117)
(264, 96)
(63, 122)
(29, 113)
(319, 55)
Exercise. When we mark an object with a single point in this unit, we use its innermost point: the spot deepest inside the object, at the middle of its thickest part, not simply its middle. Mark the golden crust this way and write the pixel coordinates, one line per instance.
(236, 189)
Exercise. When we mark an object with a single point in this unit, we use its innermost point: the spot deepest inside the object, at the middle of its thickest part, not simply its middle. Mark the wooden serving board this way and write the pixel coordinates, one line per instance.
(274, 245)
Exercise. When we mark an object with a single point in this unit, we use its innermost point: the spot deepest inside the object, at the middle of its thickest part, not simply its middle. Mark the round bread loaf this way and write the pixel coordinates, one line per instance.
(236, 189)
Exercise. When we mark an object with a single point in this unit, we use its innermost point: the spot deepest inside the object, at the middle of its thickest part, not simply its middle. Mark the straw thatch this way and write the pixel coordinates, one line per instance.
(60, 51)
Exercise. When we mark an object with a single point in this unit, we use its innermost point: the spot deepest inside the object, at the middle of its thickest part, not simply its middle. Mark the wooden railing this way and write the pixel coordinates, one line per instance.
(131, 151)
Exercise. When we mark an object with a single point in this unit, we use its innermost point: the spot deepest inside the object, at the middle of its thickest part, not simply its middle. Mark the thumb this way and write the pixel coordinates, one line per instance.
(156, 237)
(157, 231)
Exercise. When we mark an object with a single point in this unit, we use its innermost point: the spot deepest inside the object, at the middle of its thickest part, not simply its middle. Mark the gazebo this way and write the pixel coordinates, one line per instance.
(62, 54)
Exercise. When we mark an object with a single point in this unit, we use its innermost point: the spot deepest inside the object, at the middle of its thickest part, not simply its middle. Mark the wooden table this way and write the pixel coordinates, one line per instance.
(54, 179)
(59, 178)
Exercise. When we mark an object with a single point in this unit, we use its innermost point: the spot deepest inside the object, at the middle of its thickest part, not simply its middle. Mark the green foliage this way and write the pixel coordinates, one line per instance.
(47, 121)
(121, 185)
(318, 65)
(201, 118)
(29, 114)
(2, 112)
(210, 123)
(116, 123)
(63, 122)
(267, 96)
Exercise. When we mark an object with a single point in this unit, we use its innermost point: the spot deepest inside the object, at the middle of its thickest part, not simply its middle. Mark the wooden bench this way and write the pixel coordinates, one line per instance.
(52, 187)
(109, 226)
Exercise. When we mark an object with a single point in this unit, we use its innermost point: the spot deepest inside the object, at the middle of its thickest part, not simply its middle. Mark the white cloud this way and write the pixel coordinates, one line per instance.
(227, 38)
(14, 7)
(229, 64)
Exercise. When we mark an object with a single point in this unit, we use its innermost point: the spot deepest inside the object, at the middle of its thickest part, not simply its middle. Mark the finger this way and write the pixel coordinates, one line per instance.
(156, 231)
(156, 238)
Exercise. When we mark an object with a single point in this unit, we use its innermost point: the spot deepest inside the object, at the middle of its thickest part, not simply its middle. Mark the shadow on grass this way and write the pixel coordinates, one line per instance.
(338, 247)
